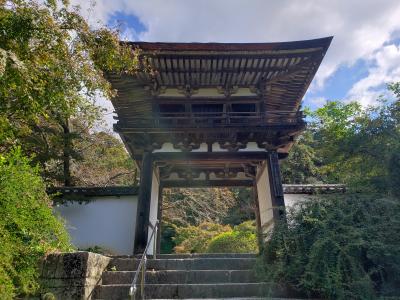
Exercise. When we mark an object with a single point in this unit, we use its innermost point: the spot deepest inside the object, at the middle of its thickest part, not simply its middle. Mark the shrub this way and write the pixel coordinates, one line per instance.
(28, 229)
(195, 239)
(216, 238)
(168, 232)
(337, 247)
(242, 239)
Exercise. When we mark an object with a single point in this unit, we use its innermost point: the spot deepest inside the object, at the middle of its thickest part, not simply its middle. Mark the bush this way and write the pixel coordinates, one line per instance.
(195, 239)
(28, 229)
(338, 247)
(216, 238)
(242, 239)
(168, 232)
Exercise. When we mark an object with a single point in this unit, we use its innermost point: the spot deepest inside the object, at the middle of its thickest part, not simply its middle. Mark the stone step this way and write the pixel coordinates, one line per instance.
(236, 298)
(181, 276)
(230, 298)
(182, 291)
(131, 264)
(194, 255)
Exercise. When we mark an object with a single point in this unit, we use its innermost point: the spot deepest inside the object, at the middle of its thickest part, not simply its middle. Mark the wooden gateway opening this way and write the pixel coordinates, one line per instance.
(214, 114)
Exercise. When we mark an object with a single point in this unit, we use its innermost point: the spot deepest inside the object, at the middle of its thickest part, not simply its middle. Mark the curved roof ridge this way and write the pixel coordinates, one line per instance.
(214, 46)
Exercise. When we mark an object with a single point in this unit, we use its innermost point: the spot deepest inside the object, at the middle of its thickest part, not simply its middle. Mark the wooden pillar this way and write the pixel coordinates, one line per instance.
(143, 210)
(257, 214)
(159, 217)
(275, 182)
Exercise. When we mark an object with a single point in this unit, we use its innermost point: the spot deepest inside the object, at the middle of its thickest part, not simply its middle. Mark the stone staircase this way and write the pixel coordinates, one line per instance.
(186, 276)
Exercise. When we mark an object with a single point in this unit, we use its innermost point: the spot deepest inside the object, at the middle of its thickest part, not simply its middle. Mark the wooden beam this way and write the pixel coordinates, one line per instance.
(220, 157)
(205, 183)
(124, 128)
(211, 156)
(223, 69)
(206, 100)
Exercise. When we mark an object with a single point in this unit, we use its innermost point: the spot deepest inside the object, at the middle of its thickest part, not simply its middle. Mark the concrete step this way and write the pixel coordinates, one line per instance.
(131, 264)
(182, 291)
(194, 255)
(181, 276)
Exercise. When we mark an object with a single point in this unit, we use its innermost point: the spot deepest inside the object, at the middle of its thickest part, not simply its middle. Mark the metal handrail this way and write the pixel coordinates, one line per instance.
(143, 263)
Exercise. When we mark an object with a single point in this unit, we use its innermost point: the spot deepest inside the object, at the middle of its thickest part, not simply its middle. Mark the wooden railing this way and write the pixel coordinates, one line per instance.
(214, 119)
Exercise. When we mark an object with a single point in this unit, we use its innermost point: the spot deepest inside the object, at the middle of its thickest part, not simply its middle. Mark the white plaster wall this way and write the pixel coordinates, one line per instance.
(217, 148)
(252, 146)
(203, 148)
(108, 222)
(167, 147)
(264, 198)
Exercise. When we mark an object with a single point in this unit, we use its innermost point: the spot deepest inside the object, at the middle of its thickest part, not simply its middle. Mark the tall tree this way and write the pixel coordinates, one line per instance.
(351, 144)
(103, 161)
(51, 71)
(185, 206)
(301, 165)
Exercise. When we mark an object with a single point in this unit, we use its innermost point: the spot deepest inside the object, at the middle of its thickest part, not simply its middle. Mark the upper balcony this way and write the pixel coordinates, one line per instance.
(210, 120)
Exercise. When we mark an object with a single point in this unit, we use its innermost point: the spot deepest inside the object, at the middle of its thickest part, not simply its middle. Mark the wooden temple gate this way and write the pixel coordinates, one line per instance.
(214, 114)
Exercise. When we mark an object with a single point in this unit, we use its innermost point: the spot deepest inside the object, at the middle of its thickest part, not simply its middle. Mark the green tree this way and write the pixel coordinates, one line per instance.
(51, 71)
(347, 143)
(193, 206)
(103, 161)
(301, 165)
(28, 228)
(243, 208)
(360, 146)
(333, 126)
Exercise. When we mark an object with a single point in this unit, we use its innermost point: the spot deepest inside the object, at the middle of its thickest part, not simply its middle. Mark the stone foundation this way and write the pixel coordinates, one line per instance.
(72, 275)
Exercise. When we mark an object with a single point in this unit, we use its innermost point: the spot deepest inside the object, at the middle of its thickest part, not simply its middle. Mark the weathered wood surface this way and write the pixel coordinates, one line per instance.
(272, 76)
(143, 210)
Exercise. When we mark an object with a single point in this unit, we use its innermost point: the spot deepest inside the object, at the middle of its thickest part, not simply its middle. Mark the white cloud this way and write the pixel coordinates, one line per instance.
(385, 68)
(316, 101)
(360, 27)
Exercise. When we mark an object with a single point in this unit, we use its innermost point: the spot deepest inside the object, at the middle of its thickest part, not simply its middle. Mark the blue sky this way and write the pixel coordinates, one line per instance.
(364, 55)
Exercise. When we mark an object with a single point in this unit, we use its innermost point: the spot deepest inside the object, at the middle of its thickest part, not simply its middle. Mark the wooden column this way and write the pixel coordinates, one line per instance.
(143, 209)
(257, 214)
(159, 217)
(274, 174)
